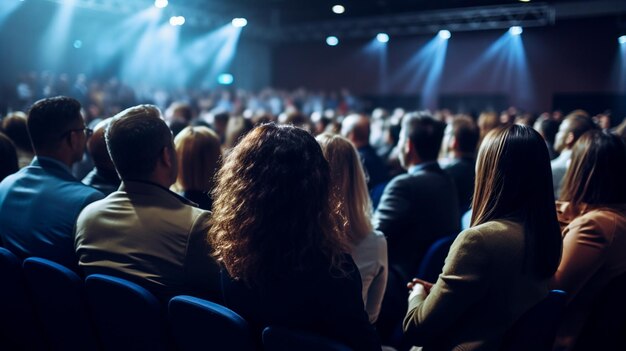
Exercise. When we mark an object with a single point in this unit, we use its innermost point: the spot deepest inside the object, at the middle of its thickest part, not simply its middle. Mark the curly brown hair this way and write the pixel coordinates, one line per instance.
(272, 211)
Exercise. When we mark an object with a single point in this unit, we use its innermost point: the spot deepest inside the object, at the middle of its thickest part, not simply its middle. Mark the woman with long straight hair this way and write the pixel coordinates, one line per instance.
(368, 247)
(592, 213)
(284, 255)
(501, 266)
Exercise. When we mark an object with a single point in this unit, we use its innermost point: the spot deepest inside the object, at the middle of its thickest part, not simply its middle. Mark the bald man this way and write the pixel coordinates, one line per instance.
(356, 128)
(103, 176)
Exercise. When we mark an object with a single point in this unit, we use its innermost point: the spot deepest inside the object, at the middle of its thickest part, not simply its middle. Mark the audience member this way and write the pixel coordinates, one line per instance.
(368, 247)
(40, 203)
(285, 258)
(15, 127)
(8, 157)
(103, 176)
(144, 232)
(415, 210)
(573, 126)
(486, 122)
(592, 213)
(500, 267)
(199, 154)
(461, 148)
(547, 128)
(356, 128)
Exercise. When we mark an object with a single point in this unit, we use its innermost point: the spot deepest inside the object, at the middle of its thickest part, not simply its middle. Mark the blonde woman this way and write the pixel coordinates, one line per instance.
(368, 247)
(198, 151)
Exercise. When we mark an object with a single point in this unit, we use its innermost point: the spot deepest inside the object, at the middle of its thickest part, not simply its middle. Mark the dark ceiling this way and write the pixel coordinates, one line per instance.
(298, 11)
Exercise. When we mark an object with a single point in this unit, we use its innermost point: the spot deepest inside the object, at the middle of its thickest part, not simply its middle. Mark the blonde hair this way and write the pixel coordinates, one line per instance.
(199, 153)
(348, 185)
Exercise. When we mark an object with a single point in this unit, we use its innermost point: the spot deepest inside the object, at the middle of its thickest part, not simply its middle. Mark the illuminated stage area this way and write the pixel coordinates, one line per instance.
(495, 54)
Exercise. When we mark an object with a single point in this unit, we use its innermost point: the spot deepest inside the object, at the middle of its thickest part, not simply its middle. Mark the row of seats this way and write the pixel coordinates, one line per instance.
(46, 306)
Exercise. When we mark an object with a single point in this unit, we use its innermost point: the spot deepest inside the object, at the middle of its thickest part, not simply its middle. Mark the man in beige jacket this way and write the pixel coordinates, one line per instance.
(144, 232)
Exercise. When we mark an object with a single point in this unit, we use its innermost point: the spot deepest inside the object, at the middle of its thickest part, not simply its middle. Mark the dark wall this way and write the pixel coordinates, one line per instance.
(572, 57)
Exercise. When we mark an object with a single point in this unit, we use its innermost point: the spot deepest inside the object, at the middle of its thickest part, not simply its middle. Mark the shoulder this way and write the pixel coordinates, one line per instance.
(494, 233)
(601, 222)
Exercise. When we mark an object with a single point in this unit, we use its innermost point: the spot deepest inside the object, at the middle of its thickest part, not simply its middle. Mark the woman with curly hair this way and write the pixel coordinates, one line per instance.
(368, 247)
(284, 256)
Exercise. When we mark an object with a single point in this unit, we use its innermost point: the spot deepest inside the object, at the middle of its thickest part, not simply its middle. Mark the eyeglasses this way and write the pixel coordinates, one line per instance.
(88, 131)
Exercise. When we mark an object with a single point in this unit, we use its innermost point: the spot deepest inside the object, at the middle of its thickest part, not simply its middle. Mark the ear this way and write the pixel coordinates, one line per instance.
(166, 157)
(569, 139)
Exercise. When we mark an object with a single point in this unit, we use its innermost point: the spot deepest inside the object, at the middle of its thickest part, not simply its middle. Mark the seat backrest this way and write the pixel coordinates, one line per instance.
(126, 316)
(605, 327)
(277, 338)
(537, 328)
(199, 324)
(19, 327)
(433, 261)
(59, 297)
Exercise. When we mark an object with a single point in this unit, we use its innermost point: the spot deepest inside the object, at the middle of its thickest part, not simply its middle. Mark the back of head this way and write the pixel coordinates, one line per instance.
(15, 126)
(198, 152)
(547, 128)
(425, 133)
(486, 122)
(574, 124)
(348, 183)
(514, 181)
(97, 147)
(135, 139)
(271, 210)
(597, 172)
(357, 129)
(466, 134)
(49, 119)
(8, 157)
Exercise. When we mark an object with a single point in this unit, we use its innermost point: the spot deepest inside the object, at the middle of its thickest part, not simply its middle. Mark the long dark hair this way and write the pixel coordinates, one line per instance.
(597, 173)
(514, 181)
(272, 211)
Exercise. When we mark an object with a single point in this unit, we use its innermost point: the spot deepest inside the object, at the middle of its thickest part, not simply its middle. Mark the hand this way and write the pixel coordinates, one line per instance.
(427, 285)
(417, 290)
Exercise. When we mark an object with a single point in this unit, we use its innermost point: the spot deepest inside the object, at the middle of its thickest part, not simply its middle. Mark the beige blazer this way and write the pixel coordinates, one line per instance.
(481, 292)
(594, 252)
(150, 235)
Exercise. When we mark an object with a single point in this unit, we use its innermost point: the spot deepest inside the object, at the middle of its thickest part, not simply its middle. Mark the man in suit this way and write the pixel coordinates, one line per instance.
(573, 126)
(144, 232)
(461, 147)
(415, 210)
(40, 203)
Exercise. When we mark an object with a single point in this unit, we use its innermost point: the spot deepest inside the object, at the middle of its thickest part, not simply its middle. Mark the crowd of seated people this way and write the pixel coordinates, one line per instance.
(319, 220)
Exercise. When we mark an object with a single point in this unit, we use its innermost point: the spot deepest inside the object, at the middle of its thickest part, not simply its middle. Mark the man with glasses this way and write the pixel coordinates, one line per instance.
(40, 203)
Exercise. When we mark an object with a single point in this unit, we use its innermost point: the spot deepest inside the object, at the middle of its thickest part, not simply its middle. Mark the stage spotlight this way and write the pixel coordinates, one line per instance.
(225, 79)
(516, 30)
(332, 41)
(78, 44)
(239, 22)
(339, 9)
(382, 37)
(622, 39)
(444, 34)
(524, 0)
(161, 3)
(177, 20)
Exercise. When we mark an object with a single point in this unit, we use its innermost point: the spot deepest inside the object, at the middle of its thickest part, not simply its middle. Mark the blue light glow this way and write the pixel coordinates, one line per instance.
(382, 37)
(622, 39)
(516, 30)
(225, 79)
(332, 41)
(444, 34)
